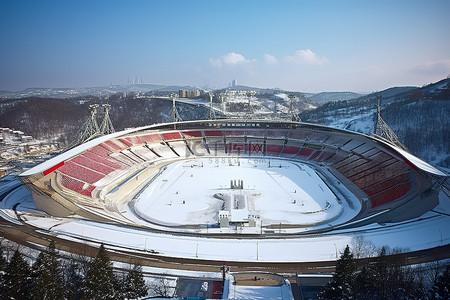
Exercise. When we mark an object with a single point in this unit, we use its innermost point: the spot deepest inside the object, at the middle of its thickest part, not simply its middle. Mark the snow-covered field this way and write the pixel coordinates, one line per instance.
(282, 292)
(279, 191)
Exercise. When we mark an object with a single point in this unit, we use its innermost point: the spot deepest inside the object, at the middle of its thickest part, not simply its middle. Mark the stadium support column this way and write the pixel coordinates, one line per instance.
(225, 269)
(175, 115)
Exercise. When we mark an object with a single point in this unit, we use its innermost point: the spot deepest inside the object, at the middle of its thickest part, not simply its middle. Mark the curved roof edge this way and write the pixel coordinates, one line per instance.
(407, 157)
(410, 159)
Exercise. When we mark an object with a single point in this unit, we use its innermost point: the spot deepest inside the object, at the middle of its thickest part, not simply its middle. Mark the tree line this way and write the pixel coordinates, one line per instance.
(50, 277)
(386, 278)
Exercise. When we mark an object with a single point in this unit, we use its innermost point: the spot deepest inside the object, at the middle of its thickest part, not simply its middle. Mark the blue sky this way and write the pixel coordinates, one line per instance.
(308, 46)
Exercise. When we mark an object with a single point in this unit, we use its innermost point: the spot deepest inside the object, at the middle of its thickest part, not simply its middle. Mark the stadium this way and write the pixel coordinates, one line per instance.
(223, 179)
(199, 198)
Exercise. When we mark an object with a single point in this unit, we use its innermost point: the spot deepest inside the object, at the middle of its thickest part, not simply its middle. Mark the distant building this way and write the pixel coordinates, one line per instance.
(233, 83)
(188, 94)
(224, 219)
(26, 138)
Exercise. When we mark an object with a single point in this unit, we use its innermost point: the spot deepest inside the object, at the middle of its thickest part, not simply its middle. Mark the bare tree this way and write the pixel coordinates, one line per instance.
(163, 287)
(363, 248)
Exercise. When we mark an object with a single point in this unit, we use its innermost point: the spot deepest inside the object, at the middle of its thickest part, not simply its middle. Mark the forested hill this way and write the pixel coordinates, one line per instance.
(47, 118)
(419, 117)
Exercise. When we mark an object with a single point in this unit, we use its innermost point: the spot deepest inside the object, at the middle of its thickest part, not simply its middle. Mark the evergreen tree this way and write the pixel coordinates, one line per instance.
(342, 284)
(441, 289)
(365, 283)
(3, 264)
(73, 280)
(48, 275)
(134, 285)
(16, 278)
(100, 282)
(387, 278)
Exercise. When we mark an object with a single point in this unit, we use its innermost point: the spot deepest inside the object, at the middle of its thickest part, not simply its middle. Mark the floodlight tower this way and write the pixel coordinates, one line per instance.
(292, 109)
(106, 127)
(275, 109)
(212, 114)
(224, 104)
(90, 129)
(175, 115)
(382, 129)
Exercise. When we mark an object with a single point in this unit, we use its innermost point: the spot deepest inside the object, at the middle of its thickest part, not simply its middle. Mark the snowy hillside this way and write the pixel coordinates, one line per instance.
(419, 117)
(325, 97)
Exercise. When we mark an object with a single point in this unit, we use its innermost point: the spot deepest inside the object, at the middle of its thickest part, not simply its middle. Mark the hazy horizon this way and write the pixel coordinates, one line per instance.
(320, 46)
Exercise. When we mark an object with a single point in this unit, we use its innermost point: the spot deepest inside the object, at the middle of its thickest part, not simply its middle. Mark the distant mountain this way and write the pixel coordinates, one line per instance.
(419, 117)
(396, 91)
(325, 97)
(250, 88)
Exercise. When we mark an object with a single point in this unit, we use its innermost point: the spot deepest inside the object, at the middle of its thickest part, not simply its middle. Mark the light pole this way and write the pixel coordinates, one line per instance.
(257, 255)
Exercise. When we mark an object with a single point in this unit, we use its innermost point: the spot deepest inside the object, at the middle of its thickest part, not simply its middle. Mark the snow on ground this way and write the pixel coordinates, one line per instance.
(430, 230)
(191, 192)
(359, 122)
(283, 292)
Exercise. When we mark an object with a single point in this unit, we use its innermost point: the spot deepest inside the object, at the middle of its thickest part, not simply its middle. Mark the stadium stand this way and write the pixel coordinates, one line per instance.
(80, 172)
(151, 138)
(192, 134)
(273, 149)
(213, 133)
(76, 185)
(180, 148)
(171, 136)
(92, 164)
(144, 153)
(370, 166)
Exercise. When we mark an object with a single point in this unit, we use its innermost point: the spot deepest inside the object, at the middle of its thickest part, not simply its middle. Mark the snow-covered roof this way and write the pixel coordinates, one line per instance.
(415, 161)
(421, 164)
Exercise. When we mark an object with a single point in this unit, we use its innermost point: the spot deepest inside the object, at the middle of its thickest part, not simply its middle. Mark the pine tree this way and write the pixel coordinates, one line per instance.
(73, 280)
(3, 265)
(133, 284)
(3, 262)
(48, 275)
(342, 284)
(16, 278)
(100, 281)
(441, 289)
(365, 283)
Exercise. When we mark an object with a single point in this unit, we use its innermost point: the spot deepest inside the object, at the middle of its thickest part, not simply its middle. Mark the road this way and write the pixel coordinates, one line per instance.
(35, 238)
